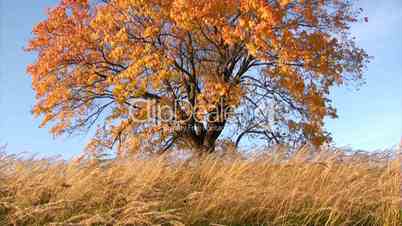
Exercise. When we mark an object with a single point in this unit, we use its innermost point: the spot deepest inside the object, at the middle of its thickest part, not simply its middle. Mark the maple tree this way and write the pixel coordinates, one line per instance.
(105, 63)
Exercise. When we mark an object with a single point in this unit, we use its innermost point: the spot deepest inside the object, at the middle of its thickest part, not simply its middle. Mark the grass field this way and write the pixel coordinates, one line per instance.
(329, 188)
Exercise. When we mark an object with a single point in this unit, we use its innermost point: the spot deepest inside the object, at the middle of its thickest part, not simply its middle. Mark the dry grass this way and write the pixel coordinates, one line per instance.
(324, 189)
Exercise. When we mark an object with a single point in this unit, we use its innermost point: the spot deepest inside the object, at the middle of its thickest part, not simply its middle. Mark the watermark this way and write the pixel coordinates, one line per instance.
(183, 115)
(181, 111)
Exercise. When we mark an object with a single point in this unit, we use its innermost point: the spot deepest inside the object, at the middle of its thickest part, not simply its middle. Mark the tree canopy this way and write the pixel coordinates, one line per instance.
(186, 73)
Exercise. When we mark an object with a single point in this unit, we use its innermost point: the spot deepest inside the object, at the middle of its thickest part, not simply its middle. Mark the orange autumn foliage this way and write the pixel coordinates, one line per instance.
(104, 63)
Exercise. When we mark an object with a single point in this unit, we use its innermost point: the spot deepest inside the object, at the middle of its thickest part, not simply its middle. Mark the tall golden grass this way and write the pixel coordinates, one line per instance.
(329, 188)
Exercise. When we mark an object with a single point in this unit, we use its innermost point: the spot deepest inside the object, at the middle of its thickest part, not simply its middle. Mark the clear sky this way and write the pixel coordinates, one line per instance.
(369, 118)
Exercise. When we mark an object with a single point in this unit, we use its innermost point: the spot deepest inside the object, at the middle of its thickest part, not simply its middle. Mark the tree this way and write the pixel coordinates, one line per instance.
(178, 72)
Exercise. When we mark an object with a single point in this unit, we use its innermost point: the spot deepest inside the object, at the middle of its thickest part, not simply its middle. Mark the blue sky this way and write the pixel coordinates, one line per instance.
(370, 118)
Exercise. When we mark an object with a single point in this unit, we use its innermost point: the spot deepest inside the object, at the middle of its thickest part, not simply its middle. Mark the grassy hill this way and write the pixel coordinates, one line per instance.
(329, 188)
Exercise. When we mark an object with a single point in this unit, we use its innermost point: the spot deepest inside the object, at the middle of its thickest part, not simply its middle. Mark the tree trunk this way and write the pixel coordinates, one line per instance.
(206, 142)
